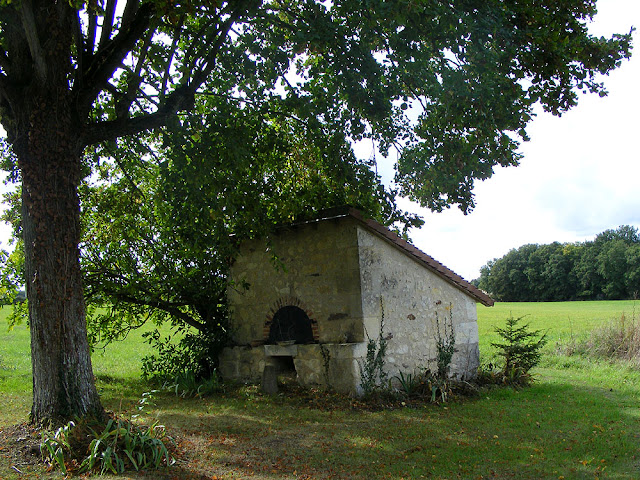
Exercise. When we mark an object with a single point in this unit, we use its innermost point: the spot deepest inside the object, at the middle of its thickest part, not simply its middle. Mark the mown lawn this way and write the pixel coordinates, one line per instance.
(580, 420)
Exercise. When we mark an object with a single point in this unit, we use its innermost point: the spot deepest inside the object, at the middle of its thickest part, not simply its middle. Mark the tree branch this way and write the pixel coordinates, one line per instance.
(169, 307)
(124, 100)
(152, 301)
(110, 130)
(107, 23)
(180, 99)
(125, 172)
(209, 61)
(110, 56)
(189, 53)
(91, 32)
(167, 71)
(31, 31)
(143, 51)
(130, 10)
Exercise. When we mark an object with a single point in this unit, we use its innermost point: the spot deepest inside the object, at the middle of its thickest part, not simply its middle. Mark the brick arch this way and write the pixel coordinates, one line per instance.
(289, 301)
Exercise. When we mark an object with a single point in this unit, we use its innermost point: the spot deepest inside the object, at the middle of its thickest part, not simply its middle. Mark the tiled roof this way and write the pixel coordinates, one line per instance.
(426, 260)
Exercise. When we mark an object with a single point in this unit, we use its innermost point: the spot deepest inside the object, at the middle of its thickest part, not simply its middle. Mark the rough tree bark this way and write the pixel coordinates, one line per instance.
(46, 142)
(63, 383)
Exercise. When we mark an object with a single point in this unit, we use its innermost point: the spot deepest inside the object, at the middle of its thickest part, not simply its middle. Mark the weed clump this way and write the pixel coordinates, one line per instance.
(435, 386)
(90, 445)
(617, 340)
(373, 375)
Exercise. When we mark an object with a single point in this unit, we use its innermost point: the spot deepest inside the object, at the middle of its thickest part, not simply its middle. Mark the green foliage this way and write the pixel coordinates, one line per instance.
(92, 446)
(473, 72)
(372, 371)
(159, 237)
(435, 385)
(112, 448)
(276, 94)
(12, 278)
(599, 402)
(195, 353)
(409, 383)
(520, 348)
(188, 384)
(490, 375)
(445, 345)
(424, 384)
(606, 268)
(54, 446)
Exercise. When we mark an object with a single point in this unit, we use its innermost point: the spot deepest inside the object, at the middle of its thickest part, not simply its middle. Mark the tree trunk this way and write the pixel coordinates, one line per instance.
(44, 125)
(49, 158)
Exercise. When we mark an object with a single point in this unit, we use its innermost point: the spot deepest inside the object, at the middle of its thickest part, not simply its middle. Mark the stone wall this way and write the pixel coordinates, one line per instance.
(342, 275)
(317, 270)
(333, 365)
(417, 305)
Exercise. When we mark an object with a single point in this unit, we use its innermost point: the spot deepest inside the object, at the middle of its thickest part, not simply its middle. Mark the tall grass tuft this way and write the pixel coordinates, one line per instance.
(618, 339)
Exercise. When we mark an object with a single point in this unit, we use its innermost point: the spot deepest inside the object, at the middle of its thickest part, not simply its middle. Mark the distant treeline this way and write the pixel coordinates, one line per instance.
(606, 268)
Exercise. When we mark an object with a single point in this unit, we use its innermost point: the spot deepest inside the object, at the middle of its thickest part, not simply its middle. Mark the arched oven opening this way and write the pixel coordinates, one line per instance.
(290, 325)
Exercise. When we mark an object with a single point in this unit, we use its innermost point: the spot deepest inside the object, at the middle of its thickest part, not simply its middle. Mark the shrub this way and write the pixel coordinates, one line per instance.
(187, 384)
(445, 345)
(195, 352)
(372, 371)
(521, 350)
(522, 347)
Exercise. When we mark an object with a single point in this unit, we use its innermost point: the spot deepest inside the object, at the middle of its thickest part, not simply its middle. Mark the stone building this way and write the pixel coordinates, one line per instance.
(319, 290)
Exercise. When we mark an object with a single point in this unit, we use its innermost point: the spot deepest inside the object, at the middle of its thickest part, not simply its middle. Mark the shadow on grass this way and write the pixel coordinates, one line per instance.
(547, 431)
(120, 394)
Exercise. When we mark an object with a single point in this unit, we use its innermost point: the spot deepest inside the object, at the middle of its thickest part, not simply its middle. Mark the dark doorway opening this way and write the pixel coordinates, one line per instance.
(292, 325)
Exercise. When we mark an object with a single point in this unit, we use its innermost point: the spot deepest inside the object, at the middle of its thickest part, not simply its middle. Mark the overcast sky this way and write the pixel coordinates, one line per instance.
(580, 174)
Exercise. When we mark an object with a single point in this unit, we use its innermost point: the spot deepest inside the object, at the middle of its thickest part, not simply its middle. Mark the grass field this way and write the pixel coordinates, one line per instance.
(580, 420)
(562, 320)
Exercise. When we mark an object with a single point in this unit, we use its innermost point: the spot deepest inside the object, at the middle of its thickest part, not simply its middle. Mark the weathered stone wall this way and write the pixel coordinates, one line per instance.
(318, 272)
(417, 304)
(343, 276)
(242, 363)
(331, 365)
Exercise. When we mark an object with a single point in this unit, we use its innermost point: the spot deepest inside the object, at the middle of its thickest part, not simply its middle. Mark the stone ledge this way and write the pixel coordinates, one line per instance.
(281, 350)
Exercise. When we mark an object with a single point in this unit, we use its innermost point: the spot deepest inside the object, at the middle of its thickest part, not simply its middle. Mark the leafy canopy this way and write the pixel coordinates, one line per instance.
(471, 69)
(260, 102)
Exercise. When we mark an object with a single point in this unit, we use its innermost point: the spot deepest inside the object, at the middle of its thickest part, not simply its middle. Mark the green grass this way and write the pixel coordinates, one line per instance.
(15, 371)
(561, 320)
(580, 420)
(116, 367)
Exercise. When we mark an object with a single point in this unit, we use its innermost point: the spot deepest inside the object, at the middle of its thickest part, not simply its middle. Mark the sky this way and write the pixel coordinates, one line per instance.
(579, 176)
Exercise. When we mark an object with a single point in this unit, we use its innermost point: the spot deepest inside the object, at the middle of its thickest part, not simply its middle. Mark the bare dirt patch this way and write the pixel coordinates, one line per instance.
(20, 447)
